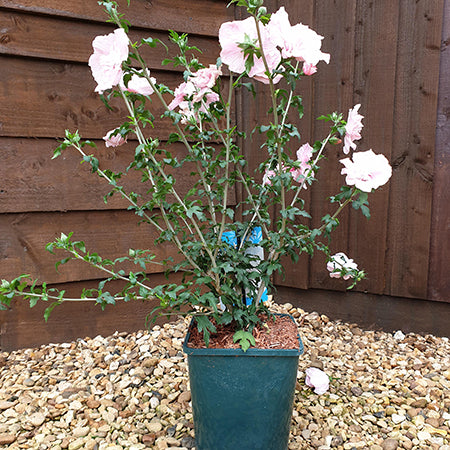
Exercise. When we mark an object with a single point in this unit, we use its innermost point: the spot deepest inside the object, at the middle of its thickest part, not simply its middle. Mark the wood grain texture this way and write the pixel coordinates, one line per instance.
(50, 37)
(333, 91)
(21, 327)
(297, 274)
(53, 96)
(384, 55)
(201, 17)
(416, 96)
(375, 41)
(23, 238)
(30, 181)
(371, 311)
(438, 279)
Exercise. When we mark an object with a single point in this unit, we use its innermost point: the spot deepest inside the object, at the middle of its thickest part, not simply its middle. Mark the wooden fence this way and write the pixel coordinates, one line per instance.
(386, 55)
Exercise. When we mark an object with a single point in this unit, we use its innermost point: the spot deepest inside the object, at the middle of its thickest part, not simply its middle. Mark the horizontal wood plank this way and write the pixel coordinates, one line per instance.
(31, 181)
(53, 37)
(23, 238)
(22, 327)
(202, 17)
(52, 97)
(371, 311)
(42, 99)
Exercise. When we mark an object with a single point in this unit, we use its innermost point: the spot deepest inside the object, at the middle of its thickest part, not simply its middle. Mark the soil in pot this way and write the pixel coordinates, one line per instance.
(281, 333)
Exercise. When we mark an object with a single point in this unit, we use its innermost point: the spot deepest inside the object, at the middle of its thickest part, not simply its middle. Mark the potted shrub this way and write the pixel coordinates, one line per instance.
(242, 392)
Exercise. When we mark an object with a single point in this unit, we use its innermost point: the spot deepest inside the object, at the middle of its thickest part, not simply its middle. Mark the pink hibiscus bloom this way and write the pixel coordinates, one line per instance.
(186, 94)
(367, 171)
(185, 89)
(139, 84)
(352, 129)
(231, 34)
(110, 51)
(207, 77)
(298, 41)
(267, 177)
(304, 154)
(341, 262)
(114, 140)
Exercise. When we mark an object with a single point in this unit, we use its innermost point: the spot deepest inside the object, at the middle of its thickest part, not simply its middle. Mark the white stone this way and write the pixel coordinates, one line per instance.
(80, 431)
(154, 426)
(423, 435)
(37, 419)
(399, 336)
(398, 418)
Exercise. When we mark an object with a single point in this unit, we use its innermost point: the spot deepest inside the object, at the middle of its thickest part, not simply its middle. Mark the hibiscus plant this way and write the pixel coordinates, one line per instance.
(226, 255)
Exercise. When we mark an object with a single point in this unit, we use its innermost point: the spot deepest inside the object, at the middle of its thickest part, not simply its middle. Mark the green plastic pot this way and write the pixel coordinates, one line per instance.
(242, 400)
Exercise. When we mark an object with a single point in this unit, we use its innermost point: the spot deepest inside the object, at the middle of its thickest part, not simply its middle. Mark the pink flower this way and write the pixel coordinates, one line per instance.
(340, 263)
(114, 140)
(139, 84)
(186, 94)
(317, 379)
(231, 34)
(110, 51)
(367, 171)
(352, 129)
(206, 78)
(208, 98)
(298, 41)
(304, 154)
(309, 69)
(185, 89)
(268, 175)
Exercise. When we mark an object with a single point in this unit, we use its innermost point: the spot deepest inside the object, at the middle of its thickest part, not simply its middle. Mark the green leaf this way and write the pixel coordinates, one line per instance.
(244, 338)
(205, 326)
(63, 261)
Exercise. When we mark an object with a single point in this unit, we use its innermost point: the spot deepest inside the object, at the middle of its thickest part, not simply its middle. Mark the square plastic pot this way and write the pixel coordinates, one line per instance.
(242, 400)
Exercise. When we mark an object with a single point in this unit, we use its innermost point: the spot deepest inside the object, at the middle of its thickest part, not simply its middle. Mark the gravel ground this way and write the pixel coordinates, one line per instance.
(131, 391)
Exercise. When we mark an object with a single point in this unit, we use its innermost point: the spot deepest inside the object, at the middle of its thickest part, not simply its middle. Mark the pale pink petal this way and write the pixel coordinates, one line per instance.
(231, 34)
(367, 171)
(304, 153)
(139, 85)
(267, 178)
(114, 140)
(317, 379)
(110, 51)
(339, 264)
(298, 41)
(352, 128)
(182, 91)
(206, 78)
(309, 69)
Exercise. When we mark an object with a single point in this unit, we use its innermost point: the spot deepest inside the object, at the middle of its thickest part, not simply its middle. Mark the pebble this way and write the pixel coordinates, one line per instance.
(390, 444)
(398, 418)
(7, 439)
(131, 391)
(37, 419)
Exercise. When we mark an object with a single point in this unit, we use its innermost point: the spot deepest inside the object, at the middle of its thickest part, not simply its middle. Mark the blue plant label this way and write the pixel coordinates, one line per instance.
(255, 237)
